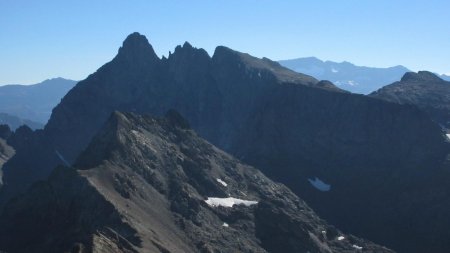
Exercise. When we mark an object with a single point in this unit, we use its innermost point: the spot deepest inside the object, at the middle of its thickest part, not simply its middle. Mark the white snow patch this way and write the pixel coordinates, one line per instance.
(356, 246)
(259, 74)
(334, 70)
(448, 136)
(228, 202)
(225, 225)
(353, 83)
(340, 238)
(221, 182)
(319, 184)
(324, 232)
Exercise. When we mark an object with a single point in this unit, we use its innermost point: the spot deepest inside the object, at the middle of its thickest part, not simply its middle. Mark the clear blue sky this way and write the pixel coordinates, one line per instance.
(40, 39)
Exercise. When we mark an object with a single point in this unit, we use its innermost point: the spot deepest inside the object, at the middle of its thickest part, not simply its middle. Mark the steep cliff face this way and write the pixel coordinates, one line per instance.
(362, 169)
(216, 94)
(423, 89)
(152, 185)
(368, 153)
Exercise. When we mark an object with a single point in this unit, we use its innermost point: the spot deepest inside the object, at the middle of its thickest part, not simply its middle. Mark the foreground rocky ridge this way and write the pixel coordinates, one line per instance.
(382, 162)
(141, 186)
(423, 89)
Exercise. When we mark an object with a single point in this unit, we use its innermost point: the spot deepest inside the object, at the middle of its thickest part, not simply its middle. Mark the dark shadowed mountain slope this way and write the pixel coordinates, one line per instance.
(6, 151)
(345, 75)
(376, 162)
(423, 89)
(15, 122)
(34, 102)
(152, 185)
(217, 93)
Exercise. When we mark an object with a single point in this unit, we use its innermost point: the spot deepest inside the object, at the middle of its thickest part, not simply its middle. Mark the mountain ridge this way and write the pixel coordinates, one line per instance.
(346, 75)
(15, 122)
(424, 90)
(148, 192)
(349, 76)
(292, 131)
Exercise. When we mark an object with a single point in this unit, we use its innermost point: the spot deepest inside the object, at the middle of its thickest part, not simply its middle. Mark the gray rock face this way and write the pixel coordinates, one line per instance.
(380, 159)
(5, 131)
(6, 151)
(423, 89)
(141, 186)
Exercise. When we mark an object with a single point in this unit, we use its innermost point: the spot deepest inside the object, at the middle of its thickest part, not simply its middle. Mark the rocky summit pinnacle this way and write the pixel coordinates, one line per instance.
(161, 188)
(424, 76)
(137, 48)
(424, 90)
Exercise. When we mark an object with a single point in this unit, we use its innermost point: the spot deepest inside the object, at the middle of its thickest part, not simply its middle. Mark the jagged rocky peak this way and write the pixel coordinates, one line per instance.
(421, 76)
(21, 138)
(137, 48)
(164, 189)
(188, 57)
(115, 135)
(188, 49)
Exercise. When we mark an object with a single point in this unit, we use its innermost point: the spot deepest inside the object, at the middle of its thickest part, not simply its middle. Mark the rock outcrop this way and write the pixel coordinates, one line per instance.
(424, 90)
(152, 185)
(6, 151)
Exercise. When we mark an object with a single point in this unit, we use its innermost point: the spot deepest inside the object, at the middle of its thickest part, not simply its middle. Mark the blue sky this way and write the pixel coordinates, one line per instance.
(41, 39)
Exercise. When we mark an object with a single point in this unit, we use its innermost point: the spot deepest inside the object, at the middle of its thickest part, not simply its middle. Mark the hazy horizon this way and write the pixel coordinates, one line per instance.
(48, 39)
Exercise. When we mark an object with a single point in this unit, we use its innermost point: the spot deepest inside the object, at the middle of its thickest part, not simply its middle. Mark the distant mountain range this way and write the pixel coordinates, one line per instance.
(14, 122)
(347, 76)
(34, 102)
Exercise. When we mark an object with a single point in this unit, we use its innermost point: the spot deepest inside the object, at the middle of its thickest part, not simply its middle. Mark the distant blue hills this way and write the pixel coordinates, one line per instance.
(32, 103)
(346, 75)
(15, 122)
